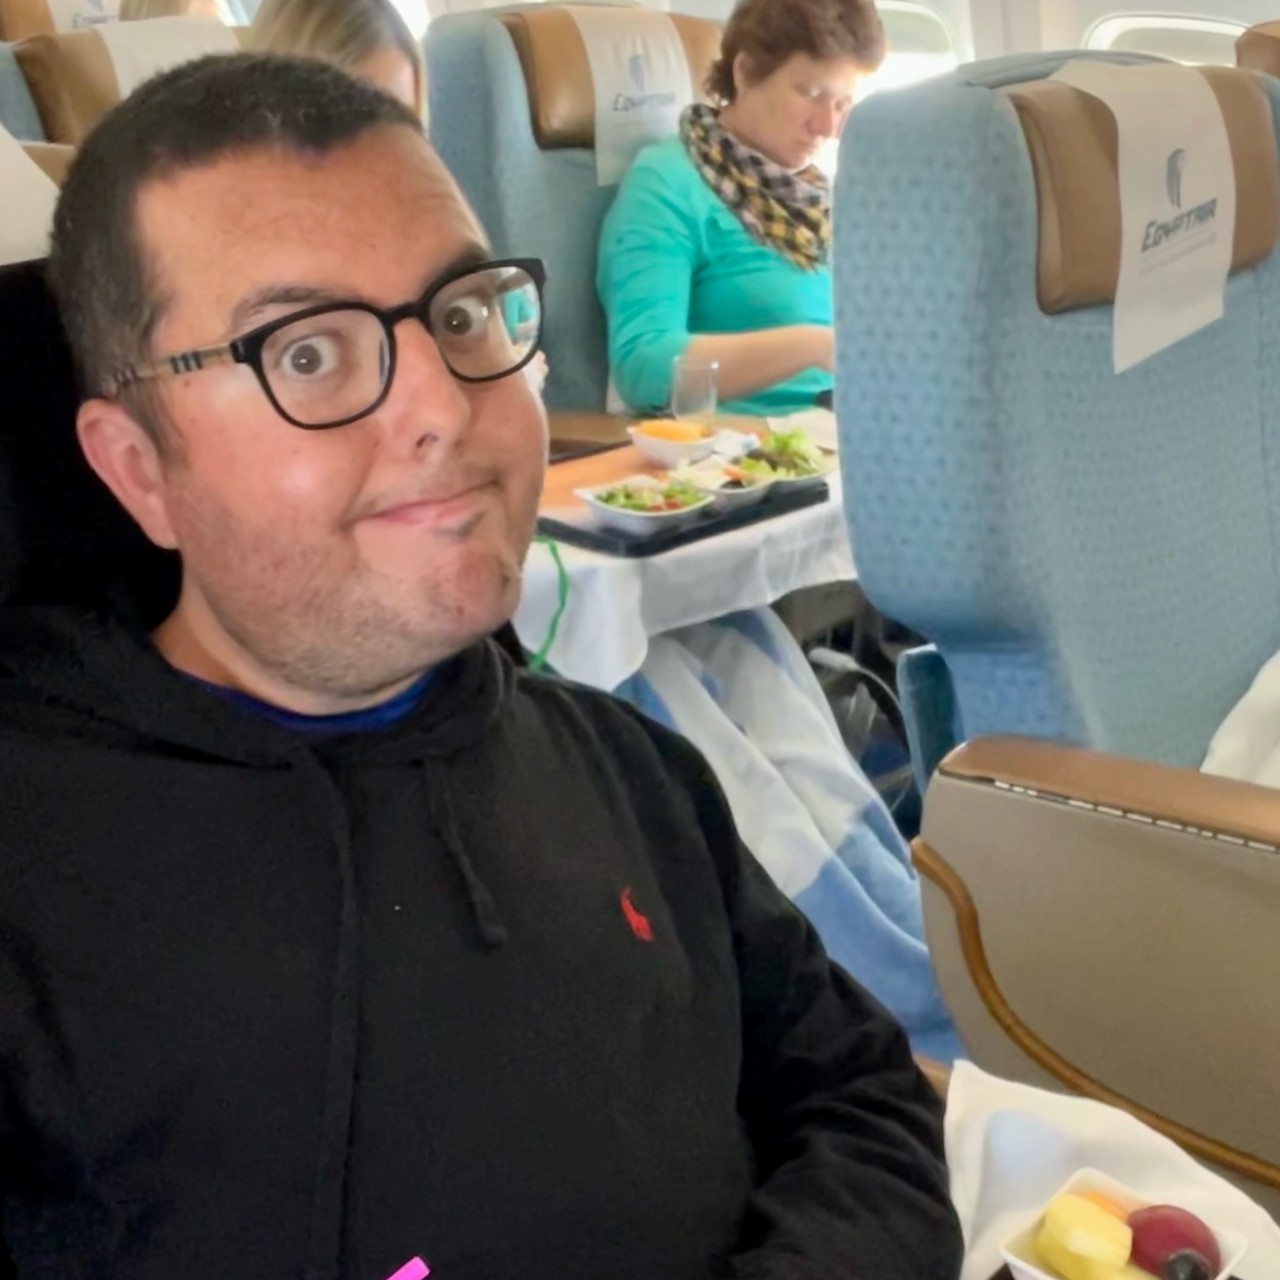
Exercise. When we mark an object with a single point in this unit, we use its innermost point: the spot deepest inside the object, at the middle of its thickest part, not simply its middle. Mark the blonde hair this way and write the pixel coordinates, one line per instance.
(343, 32)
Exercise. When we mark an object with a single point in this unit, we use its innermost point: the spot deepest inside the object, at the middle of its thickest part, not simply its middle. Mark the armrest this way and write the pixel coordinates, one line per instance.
(54, 158)
(1131, 788)
(1110, 926)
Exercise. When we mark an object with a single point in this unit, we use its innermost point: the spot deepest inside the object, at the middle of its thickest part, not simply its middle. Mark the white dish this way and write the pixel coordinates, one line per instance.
(643, 523)
(711, 478)
(731, 445)
(1019, 1250)
(671, 453)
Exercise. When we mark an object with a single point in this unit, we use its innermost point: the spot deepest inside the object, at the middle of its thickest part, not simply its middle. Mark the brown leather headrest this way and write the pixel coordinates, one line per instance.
(1073, 143)
(72, 80)
(55, 160)
(22, 18)
(553, 57)
(1259, 48)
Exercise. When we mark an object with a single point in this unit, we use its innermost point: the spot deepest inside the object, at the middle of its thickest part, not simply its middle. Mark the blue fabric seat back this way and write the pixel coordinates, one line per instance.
(534, 203)
(1093, 556)
(18, 112)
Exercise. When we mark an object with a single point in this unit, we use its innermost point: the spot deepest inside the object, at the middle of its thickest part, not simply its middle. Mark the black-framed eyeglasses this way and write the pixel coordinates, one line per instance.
(333, 364)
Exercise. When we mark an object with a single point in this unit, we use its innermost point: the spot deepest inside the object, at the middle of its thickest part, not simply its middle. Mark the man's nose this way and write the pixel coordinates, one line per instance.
(425, 403)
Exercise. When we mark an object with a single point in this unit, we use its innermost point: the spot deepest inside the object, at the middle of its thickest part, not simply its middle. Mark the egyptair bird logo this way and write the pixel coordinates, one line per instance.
(1173, 176)
(639, 72)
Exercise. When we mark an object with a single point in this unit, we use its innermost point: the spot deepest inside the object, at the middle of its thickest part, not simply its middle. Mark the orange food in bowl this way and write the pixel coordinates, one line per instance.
(673, 429)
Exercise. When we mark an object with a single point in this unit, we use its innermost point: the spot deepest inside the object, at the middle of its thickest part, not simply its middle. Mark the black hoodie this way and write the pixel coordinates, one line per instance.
(497, 987)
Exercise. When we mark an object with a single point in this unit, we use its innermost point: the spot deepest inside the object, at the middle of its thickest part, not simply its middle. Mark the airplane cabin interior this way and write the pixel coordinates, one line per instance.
(987, 678)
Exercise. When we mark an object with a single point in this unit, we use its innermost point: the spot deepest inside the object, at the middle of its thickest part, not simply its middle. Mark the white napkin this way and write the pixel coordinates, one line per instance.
(1247, 746)
(29, 200)
(1011, 1147)
(74, 15)
(1177, 184)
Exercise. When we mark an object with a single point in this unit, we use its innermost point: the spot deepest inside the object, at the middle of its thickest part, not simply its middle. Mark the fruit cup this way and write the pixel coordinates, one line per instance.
(1027, 1262)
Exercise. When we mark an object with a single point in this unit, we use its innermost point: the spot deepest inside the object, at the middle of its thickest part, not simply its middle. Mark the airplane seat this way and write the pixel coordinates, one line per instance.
(1259, 48)
(1109, 927)
(76, 77)
(512, 114)
(18, 114)
(1010, 497)
(63, 538)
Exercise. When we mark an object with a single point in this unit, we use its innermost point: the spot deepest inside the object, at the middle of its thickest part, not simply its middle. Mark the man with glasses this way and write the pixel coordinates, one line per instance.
(328, 939)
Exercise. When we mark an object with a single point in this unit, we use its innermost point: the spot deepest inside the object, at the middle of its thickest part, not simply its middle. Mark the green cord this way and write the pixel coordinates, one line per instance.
(539, 659)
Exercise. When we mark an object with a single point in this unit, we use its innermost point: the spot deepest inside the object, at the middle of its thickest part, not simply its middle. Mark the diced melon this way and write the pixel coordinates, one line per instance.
(1060, 1262)
(1088, 1231)
(1070, 1266)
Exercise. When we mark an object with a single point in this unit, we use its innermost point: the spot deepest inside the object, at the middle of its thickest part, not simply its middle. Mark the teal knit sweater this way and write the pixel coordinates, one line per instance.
(675, 262)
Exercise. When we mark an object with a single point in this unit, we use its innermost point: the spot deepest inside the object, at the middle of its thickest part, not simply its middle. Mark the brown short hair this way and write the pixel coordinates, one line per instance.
(770, 32)
(187, 117)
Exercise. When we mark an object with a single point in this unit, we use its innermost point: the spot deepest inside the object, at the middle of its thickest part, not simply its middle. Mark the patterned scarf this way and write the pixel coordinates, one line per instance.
(790, 212)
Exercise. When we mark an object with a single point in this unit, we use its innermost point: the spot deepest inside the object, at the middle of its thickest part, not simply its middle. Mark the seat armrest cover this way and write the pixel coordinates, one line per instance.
(1183, 798)
(1113, 926)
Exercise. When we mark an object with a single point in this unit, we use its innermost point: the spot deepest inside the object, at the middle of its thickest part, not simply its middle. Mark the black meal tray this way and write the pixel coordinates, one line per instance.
(572, 450)
(638, 546)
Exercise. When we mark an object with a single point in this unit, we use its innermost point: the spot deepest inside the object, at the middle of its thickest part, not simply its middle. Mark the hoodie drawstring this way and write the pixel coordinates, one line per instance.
(324, 1244)
(484, 911)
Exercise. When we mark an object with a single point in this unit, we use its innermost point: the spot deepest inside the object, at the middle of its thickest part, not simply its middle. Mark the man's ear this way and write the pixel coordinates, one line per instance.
(128, 461)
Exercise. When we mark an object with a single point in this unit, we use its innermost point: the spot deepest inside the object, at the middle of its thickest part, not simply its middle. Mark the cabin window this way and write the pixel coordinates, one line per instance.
(414, 12)
(920, 46)
(1192, 41)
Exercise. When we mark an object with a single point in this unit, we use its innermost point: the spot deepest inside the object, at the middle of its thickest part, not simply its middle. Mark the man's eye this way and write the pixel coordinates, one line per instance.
(464, 317)
(310, 357)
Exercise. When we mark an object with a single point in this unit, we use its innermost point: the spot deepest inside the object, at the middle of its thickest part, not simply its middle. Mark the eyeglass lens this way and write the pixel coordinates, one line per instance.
(335, 366)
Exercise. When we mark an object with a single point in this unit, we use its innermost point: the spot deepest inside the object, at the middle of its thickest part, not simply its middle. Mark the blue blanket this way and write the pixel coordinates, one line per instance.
(741, 690)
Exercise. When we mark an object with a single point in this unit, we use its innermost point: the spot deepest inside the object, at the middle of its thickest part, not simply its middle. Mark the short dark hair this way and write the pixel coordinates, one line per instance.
(770, 32)
(179, 120)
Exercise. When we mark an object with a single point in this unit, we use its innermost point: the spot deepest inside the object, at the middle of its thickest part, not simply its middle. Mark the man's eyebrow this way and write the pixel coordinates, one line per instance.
(474, 256)
(249, 307)
(277, 295)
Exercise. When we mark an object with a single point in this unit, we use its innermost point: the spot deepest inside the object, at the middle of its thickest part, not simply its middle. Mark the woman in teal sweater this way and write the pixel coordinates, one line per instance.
(717, 245)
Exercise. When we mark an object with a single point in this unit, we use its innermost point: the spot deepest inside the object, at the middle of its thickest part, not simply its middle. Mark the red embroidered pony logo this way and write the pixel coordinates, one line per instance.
(640, 925)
